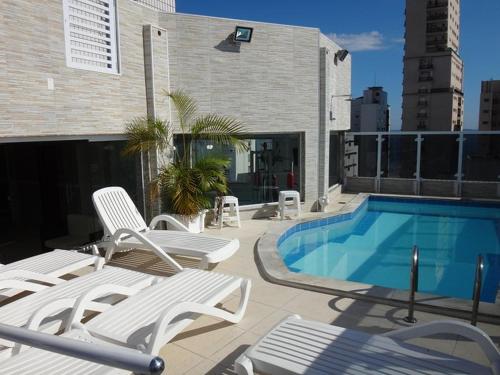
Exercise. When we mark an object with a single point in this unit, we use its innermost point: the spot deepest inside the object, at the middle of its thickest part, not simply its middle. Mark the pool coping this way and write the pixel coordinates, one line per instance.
(274, 269)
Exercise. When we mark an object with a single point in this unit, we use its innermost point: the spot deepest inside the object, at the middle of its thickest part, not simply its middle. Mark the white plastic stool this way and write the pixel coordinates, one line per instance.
(289, 202)
(228, 210)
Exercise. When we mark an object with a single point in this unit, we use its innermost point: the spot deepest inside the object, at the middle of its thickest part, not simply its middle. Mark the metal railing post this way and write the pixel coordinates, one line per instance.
(379, 161)
(476, 295)
(413, 286)
(419, 140)
(459, 175)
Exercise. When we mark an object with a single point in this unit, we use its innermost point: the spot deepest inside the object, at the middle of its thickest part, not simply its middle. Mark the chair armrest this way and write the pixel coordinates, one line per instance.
(149, 244)
(158, 337)
(21, 285)
(170, 220)
(30, 275)
(173, 311)
(85, 301)
(41, 314)
(451, 327)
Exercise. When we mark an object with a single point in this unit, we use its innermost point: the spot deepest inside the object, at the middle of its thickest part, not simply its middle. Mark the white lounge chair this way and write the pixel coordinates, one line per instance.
(150, 318)
(297, 346)
(45, 268)
(124, 229)
(21, 312)
(75, 352)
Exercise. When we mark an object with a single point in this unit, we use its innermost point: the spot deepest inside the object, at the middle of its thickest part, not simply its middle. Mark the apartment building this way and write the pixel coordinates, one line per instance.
(74, 72)
(489, 105)
(370, 112)
(433, 96)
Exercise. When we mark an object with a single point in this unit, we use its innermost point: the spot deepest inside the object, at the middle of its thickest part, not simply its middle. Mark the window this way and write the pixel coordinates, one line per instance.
(90, 35)
(272, 163)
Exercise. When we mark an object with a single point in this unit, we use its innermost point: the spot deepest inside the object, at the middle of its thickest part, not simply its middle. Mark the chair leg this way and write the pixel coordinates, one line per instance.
(243, 365)
(109, 253)
(237, 208)
(221, 215)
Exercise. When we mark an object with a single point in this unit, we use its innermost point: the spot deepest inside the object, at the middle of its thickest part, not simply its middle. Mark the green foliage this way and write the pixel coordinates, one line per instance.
(145, 134)
(182, 185)
(183, 189)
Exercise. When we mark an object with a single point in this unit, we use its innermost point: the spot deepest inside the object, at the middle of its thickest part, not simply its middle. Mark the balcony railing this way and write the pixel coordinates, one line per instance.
(460, 163)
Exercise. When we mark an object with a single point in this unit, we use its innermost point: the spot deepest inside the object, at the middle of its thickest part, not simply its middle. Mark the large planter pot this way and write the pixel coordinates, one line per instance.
(195, 224)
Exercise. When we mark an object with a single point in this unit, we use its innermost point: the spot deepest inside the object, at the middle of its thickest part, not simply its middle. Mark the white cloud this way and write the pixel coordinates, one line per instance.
(398, 40)
(367, 41)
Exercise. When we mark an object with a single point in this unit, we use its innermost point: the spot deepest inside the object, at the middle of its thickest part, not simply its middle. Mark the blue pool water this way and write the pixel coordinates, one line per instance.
(373, 245)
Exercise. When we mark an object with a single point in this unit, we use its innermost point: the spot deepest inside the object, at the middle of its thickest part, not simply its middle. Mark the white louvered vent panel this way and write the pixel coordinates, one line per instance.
(90, 35)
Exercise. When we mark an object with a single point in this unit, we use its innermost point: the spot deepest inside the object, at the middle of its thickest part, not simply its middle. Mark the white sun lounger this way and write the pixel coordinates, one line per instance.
(124, 229)
(45, 268)
(75, 353)
(297, 346)
(21, 312)
(150, 318)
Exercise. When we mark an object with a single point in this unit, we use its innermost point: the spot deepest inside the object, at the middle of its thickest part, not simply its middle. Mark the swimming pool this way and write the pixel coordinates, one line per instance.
(372, 245)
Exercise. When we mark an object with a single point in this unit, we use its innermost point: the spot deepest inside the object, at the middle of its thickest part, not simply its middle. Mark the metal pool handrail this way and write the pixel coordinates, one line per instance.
(413, 286)
(476, 295)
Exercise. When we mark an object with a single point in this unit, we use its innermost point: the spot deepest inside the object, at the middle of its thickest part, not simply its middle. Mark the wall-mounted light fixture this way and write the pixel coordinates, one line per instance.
(340, 55)
(243, 34)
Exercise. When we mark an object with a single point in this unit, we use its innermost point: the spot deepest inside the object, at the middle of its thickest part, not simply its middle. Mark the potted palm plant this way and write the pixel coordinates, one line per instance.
(185, 179)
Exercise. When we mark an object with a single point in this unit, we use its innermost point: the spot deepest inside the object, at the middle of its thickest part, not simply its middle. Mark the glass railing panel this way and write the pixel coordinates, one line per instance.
(439, 156)
(481, 157)
(399, 156)
(360, 155)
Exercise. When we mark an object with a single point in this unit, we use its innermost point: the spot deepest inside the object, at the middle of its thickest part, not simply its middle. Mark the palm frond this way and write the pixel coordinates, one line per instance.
(185, 106)
(221, 130)
(211, 173)
(145, 134)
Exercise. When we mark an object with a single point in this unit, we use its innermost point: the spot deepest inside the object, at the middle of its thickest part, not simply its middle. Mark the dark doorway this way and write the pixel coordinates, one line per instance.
(45, 193)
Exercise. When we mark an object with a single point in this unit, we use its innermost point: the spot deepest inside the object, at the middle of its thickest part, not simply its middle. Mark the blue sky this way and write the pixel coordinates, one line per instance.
(373, 31)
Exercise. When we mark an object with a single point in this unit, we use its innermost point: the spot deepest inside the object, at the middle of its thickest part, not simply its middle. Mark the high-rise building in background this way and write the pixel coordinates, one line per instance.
(370, 112)
(433, 96)
(489, 106)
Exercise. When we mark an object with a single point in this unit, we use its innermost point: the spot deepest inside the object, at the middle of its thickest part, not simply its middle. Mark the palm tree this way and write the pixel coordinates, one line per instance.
(183, 183)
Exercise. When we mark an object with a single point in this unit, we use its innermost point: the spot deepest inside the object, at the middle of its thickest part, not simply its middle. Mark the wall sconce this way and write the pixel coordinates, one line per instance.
(210, 147)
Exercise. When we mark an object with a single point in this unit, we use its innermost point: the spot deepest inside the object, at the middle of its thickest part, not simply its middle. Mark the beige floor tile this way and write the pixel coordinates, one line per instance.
(235, 348)
(269, 322)
(207, 335)
(469, 350)
(254, 314)
(272, 294)
(312, 305)
(178, 360)
(204, 367)
(370, 323)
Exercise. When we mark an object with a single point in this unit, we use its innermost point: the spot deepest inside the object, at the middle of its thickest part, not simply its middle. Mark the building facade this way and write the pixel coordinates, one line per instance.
(73, 73)
(433, 96)
(489, 105)
(370, 112)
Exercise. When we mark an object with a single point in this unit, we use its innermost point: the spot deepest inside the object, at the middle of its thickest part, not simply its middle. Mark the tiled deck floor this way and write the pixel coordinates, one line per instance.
(210, 346)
